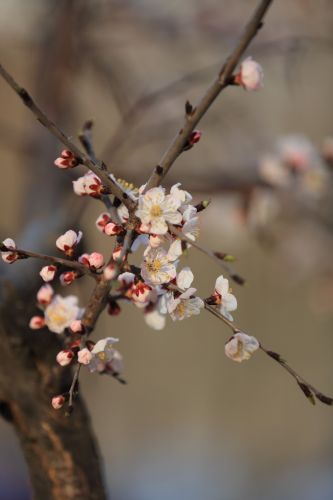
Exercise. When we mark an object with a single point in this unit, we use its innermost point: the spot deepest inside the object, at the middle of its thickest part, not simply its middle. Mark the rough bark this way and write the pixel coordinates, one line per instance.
(60, 452)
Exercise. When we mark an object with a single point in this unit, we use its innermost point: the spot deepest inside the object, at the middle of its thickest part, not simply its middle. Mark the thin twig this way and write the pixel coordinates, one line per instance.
(72, 264)
(110, 184)
(85, 138)
(215, 256)
(220, 82)
(308, 389)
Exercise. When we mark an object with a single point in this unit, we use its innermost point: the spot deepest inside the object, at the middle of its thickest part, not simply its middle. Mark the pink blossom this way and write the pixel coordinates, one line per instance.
(58, 402)
(9, 256)
(65, 357)
(47, 272)
(37, 322)
(84, 356)
(45, 295)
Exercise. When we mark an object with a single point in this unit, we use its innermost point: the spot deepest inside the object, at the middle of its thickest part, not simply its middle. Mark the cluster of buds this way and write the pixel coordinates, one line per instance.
(88, 185)
(8, 253)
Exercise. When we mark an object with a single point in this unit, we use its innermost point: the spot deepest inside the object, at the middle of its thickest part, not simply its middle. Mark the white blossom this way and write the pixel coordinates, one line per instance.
(155, 319)
(67, 241)
(157, 209)
(65, 357)
(227, 300)
(251, 75)
(241, 347)
(180, 194)
(105, 357)
(157, 268)
(61, 312)
(184, 305)
(47, 272)
(84, 356)
(10, 256)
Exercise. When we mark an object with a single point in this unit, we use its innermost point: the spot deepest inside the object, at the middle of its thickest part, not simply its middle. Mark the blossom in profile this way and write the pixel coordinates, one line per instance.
(183, 305)
(250, 75)
(89, 184)
(61, 312)
(105, 359)
(9, 256)
(156, 268)
(68, 241)
(47, 272)
(225, 298)
(241, 347)
(157, 209)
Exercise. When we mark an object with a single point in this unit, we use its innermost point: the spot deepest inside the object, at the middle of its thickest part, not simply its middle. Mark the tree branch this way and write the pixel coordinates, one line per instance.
(220, 82)
(111, 185)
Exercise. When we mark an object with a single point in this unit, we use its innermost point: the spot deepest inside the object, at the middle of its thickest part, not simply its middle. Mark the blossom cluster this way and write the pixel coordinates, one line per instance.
(163, 226)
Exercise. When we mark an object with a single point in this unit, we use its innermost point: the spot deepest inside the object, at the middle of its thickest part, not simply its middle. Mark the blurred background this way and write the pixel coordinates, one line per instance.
(191, 424)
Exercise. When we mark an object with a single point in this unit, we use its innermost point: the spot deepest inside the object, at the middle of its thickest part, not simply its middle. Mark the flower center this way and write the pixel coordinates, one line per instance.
(180, 309)
(155, 266)
(57, 315)
(156, 211)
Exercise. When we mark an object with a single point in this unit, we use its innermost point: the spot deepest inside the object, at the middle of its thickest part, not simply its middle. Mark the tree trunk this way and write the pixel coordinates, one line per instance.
(60, 451)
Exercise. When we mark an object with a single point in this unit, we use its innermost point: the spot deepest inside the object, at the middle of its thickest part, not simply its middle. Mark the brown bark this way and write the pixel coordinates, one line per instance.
(60, 452)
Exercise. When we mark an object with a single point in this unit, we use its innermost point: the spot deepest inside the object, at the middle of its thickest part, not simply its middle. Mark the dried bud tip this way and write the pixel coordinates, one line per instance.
(238, 279)
(225, 256)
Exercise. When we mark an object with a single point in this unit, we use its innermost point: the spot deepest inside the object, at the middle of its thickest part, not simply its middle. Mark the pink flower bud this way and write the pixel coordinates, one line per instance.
(250, 75)
(48, 272)
(68, 278)
(116, 253)
(114, 308)
(37, 322)
(68, 241)
(141, 293)
(7, 256)
(79, 186)
(58, 402)
(84, 356)
(84, 259)
(102, 221)
(112, 229)
(66, 160)
(64, 358)
(45, 295)
(195, 137)
(110, 272)
(77, 326)
(96, 260)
